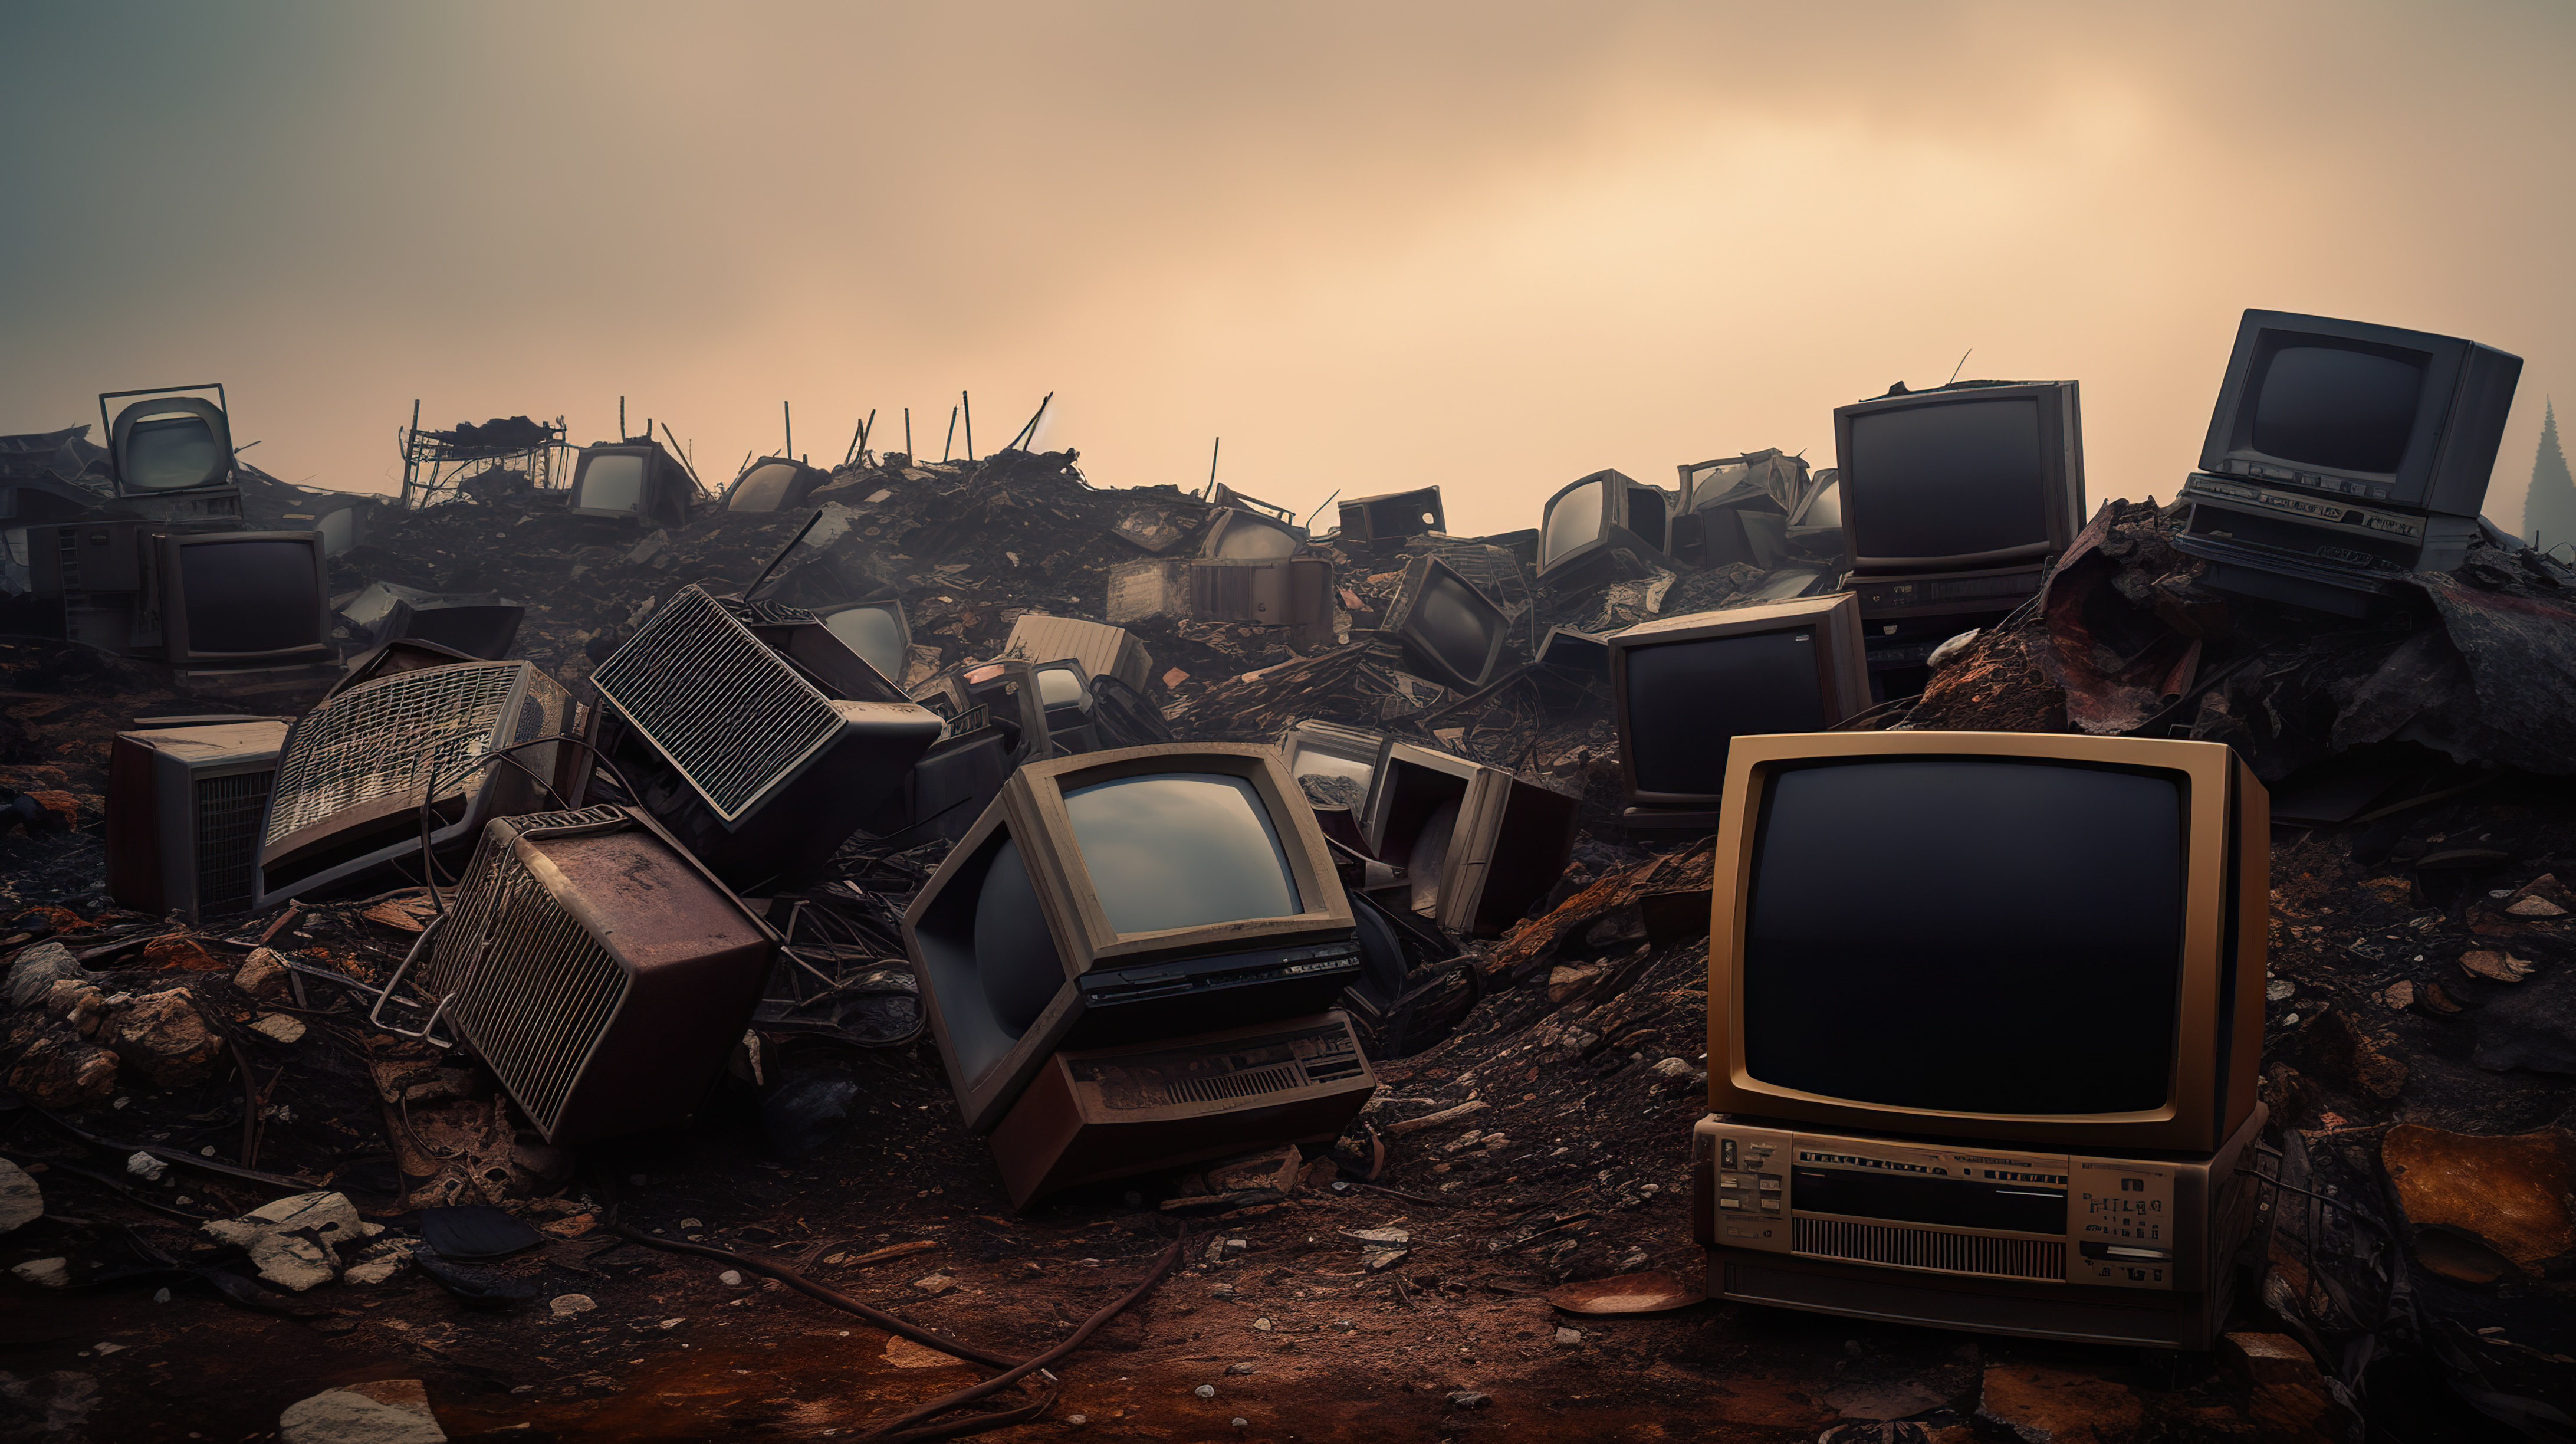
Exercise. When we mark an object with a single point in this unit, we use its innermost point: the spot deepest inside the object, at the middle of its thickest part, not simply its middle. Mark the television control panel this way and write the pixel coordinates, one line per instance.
(2041, 1217)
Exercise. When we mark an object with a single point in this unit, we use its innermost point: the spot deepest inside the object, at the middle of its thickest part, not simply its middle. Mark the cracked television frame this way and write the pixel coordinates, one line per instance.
(1132, 960)
(1594, 515)
(1985, 1015)
(1684, 688)
(633, 479)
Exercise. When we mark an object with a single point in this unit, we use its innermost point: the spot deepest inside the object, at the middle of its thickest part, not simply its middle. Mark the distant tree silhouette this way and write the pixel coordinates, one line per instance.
(2549, 510)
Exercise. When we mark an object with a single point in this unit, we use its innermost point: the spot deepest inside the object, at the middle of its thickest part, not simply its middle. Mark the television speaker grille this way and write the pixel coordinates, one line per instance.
(1923, 1248)
(717, 702)
(227, 812)
(388, 737)
(1278, 1078)
(531, 989)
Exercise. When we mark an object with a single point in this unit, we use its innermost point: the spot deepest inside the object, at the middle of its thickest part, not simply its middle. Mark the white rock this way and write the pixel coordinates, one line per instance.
(1568, 1338)
(730, 1278)
(1379, 1237)
(106, 1349)
(160, 1296)
(21, 1201)
(934, 1284)
(278, 1027)
(51, 1273)
(146, 1167)
(261, 973)
(281, 1237)
(1205, 1391)
(388, 1411)
(567, 1305)
(1672, 1068)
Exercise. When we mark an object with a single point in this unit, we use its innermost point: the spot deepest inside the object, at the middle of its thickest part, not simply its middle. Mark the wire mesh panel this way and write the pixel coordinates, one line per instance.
(386, 738)
(718, 703)
(227, 813)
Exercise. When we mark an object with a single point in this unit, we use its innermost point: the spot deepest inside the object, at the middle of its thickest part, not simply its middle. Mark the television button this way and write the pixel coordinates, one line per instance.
(1770, 1205)
(1730, 1203)
(1770, 1185)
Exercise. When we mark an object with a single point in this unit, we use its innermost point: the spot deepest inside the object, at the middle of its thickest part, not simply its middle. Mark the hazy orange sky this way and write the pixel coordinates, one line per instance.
(1491, 246)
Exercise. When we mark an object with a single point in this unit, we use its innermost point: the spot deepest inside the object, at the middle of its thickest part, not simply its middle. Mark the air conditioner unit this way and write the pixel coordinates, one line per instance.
(602, 972)
(183, 815)
(355, 771)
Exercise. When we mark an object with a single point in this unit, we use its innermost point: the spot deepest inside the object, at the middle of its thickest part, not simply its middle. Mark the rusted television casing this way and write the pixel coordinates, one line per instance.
(1842, 679)
(1031, 814)
(2227, 828)
(183, 814)
(601, 971)
(1101, 1113)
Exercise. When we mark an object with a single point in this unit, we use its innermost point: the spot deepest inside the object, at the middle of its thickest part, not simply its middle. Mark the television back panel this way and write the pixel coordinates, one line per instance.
(1104, 651)
(1393, 516)
(1291, 592)
(355, 770)
(597, 968)
(1100, 1113)
(183, 816)
(1513, 842)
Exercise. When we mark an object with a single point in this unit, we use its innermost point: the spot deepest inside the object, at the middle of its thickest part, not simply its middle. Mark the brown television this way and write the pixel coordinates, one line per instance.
(1122, 898)
(1985, 1011)
(1682, 688)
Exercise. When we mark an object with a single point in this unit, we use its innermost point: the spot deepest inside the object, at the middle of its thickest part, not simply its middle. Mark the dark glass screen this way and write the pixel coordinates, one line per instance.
(2337, 407)
(1573, 520)
(171, 453)
(1686, 699)
(1954, 479)
(1967, 935)
(876, 634)
(248, 597)
(1454, 625)
(1015, 955)
(614, 482)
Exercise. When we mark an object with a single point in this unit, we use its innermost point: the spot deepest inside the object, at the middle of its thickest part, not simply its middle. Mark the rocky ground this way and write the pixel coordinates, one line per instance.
(166, 1083)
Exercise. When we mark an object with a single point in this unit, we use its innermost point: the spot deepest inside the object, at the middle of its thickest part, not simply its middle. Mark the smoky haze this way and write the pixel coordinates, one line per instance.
(1490, 246)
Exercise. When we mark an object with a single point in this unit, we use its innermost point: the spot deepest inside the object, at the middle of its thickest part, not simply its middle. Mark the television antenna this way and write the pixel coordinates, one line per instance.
(1962, 366)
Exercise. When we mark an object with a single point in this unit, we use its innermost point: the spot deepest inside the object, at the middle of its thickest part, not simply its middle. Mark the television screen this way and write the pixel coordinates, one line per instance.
(1685, 699)
(765, 487)
(1573, 521)
(1180, 850)
(1059, 687)
(1454, 625)
(248, 597)
(1250, 538)
(1952, 478)
(876, 633)
(1967, 935)
(172, 453)
(2348, 407)
(613, 482)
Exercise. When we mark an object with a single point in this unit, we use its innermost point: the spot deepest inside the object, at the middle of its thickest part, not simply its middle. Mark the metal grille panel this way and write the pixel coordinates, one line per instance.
(386, 737)
(1278, 1078)
(1923, 1248)
(533, 990)
(228, 810)
(716, 702)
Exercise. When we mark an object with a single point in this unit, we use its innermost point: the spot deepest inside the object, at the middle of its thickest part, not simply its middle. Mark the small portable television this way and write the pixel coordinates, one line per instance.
(1393, 516)
(598, 969)
(196, 599)
(1593, 516)
(1735, 509)
(1985, 1014)
(878, 631)
(754, 735)
(385, 765)
(1132, 962)
(773, 483)
(635, 479)
(183, 815)
(1240, 535)
(2342, 455)
(1476, 844)
(169, 444)
(1682, 688)
(1450, 632)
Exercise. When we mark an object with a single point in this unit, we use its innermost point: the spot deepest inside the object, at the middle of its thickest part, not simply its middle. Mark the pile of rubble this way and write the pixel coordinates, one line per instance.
(205, 1116)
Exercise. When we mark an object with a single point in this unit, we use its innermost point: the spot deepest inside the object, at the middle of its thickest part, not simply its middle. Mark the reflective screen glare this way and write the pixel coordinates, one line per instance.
(1967, 935)
(1250, 538)
(1573, 520)
(1953, 478)
(168, 453)
(249, 597)
(764, 489)
(1180, 850)
(1455, 625)
(875, 634)
(613, 483)
(2337, 407)
(1058, 687)
(1312, 763)
(1827, 507)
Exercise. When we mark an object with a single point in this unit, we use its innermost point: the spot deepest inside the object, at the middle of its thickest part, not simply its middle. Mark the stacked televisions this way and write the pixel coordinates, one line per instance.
(1985, 1014)
(2342, 455)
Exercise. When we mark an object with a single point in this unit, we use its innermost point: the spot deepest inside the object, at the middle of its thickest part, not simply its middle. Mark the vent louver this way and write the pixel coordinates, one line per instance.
(717, 703)
(387, 738)
(227, 814)
(1922, 1248)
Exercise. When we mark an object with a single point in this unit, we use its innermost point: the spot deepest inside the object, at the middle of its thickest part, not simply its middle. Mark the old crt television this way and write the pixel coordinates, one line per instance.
(1735, 509)
(1334, 764)
(1591, 517)
(599, 970)
(635, 479)
(244, 597)
(355, 771)
(1064, 692)
(1985, 1012)
(2349, 409)
(1235, 535)
(877, 631)
(169, 444)
(1683, 687)
(761, 745)
(1977, 474)
(482, 629)
(1393, 516)
(773, 483)
(1450, 631)
(183, 815)
(1477, 844)
(1123, 899)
